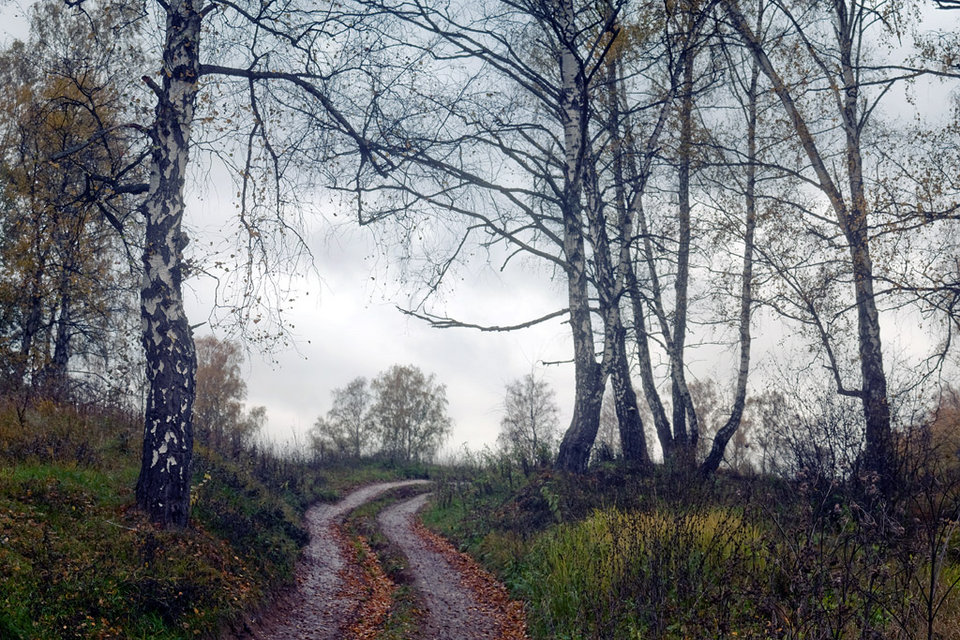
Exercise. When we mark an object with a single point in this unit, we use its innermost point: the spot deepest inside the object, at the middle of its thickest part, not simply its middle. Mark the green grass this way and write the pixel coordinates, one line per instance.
(614, 554)
(79, 561)
(633, 574)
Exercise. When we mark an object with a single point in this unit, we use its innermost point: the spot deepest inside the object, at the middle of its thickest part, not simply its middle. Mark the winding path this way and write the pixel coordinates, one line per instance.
(453, 611)
(315, 610)
(459, 600)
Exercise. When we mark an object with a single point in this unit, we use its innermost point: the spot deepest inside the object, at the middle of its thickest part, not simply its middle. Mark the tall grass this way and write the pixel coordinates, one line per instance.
(622, 574)
(678, 557)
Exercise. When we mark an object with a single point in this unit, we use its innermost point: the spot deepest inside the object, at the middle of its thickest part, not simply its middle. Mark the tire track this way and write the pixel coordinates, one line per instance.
(455, 607)
(315, 609)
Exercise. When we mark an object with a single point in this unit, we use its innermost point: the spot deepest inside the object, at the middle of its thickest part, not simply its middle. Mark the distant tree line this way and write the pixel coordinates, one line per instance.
(400, 416)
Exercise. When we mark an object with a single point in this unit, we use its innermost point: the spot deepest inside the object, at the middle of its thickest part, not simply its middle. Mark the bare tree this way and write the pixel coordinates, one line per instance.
(530, 425)
(745, 84)
(271, 58)
(834, 42)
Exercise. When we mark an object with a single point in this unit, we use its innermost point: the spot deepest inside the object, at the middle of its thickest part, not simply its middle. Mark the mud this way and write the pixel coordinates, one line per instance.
(453, 611)
(316, 609)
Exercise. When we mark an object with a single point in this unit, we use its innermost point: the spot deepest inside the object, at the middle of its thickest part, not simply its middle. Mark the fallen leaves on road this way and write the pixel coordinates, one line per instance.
(492, 596)
(364, 583)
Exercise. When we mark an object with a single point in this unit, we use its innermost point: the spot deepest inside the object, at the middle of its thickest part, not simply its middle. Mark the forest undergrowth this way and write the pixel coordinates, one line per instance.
(621, 554)
(78, 560)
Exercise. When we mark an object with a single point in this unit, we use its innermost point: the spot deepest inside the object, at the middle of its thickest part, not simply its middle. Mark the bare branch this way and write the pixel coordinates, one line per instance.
(439, 322)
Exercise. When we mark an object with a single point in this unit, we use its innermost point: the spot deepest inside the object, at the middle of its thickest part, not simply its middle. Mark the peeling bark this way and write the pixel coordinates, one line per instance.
(163, 489)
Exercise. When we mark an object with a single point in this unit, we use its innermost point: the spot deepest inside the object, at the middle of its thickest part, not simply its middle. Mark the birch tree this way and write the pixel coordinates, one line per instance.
(528, 430)
(269, 62)
(410, 411)
(349, 425)
(506, 156)
(835, 40)
(64, 275)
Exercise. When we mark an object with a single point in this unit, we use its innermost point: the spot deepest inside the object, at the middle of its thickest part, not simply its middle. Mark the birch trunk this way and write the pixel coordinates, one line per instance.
(683, 440)
(876, 410)
(720, 440)
(163, 488)
(574, 453)
(609, 288)
(633, 441)
(852, 220)
(626, 153)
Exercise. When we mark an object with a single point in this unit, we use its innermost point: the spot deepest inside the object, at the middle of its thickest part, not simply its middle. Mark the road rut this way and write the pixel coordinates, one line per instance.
(456, 608)
(315, 610)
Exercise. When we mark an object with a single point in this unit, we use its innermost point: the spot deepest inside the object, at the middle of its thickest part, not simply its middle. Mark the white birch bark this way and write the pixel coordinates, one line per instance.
(574, 453)
(163, 488)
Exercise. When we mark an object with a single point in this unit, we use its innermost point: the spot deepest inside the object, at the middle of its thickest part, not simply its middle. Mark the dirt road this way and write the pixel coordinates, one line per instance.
(459, 600)
(314, 610)
(453, 610)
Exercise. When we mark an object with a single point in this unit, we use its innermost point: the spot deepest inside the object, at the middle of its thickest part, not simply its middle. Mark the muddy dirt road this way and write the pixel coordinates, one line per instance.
(459, 601)
(315, 610)
(453, 610)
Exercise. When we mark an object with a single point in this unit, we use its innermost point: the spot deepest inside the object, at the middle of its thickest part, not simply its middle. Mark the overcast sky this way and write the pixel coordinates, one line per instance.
(346, 323)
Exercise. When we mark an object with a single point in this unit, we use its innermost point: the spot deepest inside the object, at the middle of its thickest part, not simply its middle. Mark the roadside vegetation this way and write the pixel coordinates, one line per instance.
(617, 553)
(78, 560)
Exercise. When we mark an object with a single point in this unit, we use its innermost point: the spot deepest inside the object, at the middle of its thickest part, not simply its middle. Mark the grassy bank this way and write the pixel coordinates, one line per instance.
(615, 554)
(77, 560)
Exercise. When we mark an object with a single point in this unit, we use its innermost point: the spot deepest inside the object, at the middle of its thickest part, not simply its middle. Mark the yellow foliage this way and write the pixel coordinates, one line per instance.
(594, 557)
(934, 447)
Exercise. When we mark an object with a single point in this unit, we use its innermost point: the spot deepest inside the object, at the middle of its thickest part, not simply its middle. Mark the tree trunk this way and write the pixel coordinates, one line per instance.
(852, 219)
(163, 489)
(649, 385)
(625, 150)
(574, 453)
(720, 440)
(878, 454)
(633, 443)
(685, 441)
(55, 375)
(31, 327)
(609, 292)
